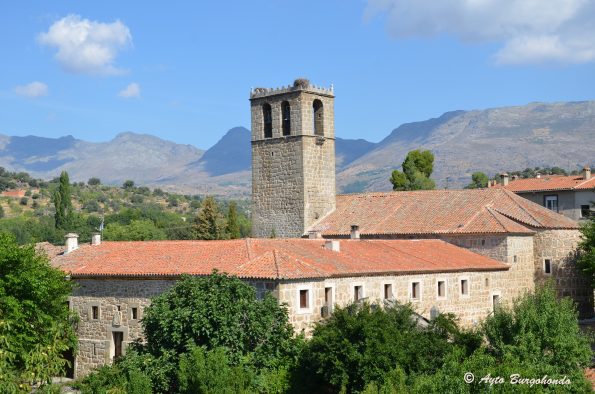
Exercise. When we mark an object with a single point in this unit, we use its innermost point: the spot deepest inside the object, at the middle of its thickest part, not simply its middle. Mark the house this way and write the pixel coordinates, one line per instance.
(572, 196)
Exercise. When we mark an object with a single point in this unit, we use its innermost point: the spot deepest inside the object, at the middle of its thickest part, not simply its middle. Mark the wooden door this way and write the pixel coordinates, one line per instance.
(118, 339)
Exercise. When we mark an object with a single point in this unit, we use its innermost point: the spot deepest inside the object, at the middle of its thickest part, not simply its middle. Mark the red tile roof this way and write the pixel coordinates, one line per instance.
(271, 258)
(551, 182)
(478, 211)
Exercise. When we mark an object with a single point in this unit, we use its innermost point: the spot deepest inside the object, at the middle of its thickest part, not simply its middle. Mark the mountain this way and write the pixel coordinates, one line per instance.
(491, 140)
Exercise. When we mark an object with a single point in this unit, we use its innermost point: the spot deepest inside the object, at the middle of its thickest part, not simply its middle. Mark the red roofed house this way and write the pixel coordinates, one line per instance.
(459, 251)
(572, 196)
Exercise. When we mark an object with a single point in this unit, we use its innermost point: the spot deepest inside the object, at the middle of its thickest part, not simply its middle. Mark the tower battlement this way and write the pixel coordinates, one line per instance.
(298, 85)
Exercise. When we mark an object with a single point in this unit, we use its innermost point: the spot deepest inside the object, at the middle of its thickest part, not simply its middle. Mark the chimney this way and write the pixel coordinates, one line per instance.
(96, 239)
(514, 178)
(354, 231)
(538, 175)
(72, 242)
(332, 244)
(314, 234)
(586, 173)
(504, 178)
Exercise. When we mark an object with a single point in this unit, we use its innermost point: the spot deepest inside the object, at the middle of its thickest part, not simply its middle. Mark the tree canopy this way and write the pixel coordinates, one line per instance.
(479, 180)
(586, 257)
(62, 202)
(417, 169)
(35, 322)
(207, 224)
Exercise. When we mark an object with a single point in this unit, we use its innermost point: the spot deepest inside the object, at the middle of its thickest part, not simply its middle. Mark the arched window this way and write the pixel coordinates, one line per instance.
(318, 117)
(286, 117)
(267, 116)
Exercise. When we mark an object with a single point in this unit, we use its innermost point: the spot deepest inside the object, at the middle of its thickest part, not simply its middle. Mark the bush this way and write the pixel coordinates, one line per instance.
(24, 201)
(128, 184)
(94, 181)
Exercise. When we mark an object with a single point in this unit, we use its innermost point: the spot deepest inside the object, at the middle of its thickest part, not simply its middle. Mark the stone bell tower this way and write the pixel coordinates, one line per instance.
(293, 158)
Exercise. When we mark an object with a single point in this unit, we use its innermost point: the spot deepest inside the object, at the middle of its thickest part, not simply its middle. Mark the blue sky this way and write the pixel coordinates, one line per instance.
(183, 70)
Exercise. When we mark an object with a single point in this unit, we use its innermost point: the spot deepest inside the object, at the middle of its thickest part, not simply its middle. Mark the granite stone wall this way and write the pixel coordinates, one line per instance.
(559, 246)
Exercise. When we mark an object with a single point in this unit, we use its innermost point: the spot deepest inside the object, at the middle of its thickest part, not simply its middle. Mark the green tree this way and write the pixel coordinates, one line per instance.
(62, 202)
(232, 226)
(94, 181)
(206, 225)
(586, 248)
(35, 325)
(137, 230)
(479, 180)
(417, 169)
(128, 184)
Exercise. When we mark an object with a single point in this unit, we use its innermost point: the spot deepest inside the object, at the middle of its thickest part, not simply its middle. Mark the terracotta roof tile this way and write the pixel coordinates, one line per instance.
(485, 211)
(551, 182)
(271, 258)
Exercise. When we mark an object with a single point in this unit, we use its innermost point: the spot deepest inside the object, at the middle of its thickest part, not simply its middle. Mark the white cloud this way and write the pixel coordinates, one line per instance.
(87, 47)
(530, 31)
(32, 90)
(130, 91)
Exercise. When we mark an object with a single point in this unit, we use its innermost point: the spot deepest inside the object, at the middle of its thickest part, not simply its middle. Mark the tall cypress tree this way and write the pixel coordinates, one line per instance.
(206, 224)
(233, 227)
(62, 202)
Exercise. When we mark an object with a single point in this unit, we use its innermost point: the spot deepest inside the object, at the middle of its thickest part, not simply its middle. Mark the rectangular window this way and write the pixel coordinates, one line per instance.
(388, 291)
(441, 289)
(585, 211)
(134, 313)
(304, 299)
(357, 293)
(464, 287)
(551, 202)
(547, 266)
(495, 301)
(415, 291)
(95, 310)
(328, 296)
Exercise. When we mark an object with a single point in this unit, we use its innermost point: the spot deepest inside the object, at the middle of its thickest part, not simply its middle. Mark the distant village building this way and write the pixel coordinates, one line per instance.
(572, 196)
(459, 251)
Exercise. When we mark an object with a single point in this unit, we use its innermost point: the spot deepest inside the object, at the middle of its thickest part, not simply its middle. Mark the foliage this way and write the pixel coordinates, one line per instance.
(586, 249)
(206, 225)
(417, 169)
(35, 324)
(362, 343)
(479, 180)
(94, 181)
(62, 202)
(128, 184)
(137, 230)
(232, 227)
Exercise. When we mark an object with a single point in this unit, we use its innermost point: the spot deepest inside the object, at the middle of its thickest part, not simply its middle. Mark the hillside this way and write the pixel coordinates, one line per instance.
(491, 140)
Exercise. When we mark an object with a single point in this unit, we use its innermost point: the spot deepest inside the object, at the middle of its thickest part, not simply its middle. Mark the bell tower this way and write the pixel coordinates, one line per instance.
(293, 158)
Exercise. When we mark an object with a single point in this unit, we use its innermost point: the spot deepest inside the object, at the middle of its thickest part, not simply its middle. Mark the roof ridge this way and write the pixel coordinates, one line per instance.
(472, 218)
(582, 183)
(493, 213)
(249, 249)
(509, 194)
(275, 260)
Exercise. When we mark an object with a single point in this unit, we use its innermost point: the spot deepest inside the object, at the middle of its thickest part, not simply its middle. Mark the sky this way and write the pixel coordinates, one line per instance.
(183, 70)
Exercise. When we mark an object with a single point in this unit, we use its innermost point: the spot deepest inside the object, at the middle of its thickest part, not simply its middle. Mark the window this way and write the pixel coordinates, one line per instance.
(134, 313)
(388, 291)
(304, 299)
(495, 301)
(514, 258)
(585, 211)
(551, 202)
(286, 118)
(318, 117)
(483, 242)
(441, 289)
(415, 291)
(547, 266)
(464, 287)
(95, 312)
(487, 282)
(328, 296)
(358, 293)
(267, 115)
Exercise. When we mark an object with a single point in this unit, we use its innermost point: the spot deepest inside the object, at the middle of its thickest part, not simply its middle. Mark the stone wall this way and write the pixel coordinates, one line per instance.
(95, 336)
(471, 308)
(559, 246)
